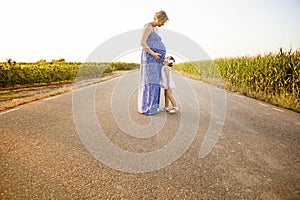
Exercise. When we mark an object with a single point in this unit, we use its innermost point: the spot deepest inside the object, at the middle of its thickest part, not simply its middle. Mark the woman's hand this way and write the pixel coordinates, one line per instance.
(156, 56)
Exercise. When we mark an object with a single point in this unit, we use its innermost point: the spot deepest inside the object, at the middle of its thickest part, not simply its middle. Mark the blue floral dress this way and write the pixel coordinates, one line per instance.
(150, 72)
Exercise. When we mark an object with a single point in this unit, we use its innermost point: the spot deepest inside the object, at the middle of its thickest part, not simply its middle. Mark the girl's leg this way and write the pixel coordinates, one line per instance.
(170, 96)
(166, 99)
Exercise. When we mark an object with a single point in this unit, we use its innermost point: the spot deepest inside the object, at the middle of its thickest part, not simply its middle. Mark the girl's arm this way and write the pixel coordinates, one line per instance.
(147, 31)
(167, 71)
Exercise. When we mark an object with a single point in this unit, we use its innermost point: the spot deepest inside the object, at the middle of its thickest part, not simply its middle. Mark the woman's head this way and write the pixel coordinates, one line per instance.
(160, 18)
(169, 61)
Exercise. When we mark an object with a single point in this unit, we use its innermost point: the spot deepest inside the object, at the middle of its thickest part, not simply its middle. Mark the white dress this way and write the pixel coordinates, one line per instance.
(163, 79)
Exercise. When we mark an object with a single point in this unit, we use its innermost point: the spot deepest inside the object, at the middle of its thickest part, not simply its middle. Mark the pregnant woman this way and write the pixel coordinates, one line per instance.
(153, 54)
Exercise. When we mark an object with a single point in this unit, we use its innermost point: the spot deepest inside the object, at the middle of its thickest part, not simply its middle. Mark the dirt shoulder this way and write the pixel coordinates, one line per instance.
(12, 97)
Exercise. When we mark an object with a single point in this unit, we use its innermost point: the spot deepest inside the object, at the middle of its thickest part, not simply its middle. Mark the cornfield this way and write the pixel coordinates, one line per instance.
(42, 72)
(273, 78)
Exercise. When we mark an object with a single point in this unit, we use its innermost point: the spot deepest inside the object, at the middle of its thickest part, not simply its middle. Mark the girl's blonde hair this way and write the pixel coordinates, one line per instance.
(161, 16)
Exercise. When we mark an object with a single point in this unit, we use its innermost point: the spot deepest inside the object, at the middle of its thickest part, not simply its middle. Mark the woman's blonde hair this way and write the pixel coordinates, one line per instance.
(161, 16)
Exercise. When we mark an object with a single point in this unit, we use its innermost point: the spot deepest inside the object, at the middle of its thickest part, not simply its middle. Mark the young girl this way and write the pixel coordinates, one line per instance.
(167, 83)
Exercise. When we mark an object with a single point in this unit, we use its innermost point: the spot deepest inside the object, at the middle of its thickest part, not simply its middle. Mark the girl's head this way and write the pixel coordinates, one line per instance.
(169, 61)
(160, 18)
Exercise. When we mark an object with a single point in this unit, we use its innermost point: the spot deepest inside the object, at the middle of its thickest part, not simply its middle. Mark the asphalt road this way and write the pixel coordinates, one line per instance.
(92, 143)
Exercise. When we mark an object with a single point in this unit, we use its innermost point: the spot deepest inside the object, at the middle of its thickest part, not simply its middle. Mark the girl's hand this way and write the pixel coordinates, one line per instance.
(156, 56)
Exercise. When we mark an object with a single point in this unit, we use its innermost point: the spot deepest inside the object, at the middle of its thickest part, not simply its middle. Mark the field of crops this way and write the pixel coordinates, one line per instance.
(273, 78)
(13, 73)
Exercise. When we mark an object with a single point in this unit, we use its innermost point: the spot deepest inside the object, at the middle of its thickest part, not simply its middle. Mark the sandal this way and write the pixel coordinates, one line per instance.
(173, 110)
(164, 109)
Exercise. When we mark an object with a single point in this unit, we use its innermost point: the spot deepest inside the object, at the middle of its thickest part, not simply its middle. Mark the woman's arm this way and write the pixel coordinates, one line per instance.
(147, 31)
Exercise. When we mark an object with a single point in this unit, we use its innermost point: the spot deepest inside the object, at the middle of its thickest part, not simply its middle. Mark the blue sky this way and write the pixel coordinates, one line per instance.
(35, 29)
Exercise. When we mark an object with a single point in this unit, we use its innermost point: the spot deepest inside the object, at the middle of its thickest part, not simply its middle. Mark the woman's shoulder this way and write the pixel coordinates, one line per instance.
(148, 25)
